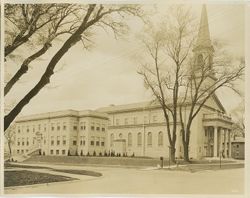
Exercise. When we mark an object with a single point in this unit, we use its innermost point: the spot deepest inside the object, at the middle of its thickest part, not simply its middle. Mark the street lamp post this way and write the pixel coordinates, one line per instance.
(220, 158)
(169, 158)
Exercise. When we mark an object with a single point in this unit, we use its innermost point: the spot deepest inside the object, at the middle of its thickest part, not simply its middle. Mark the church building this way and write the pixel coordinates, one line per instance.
(137, 129)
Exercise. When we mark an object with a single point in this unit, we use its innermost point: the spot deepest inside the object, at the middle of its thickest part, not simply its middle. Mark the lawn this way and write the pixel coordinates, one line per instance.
(24, 177)
(77, 172)
(119, 161)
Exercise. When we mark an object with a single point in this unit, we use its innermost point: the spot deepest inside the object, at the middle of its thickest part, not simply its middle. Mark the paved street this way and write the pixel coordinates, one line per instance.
(143, 181)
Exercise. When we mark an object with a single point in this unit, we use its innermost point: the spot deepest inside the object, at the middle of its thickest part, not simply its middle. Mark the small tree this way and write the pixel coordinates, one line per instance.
(10, 139)
(238, 127)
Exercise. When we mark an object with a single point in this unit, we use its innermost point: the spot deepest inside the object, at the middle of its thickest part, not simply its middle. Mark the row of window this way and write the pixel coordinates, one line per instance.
(57, 152)
(139, 139)
(23, 142)
(134, 120)
(58, 127)
(81, 143)
(22, 151)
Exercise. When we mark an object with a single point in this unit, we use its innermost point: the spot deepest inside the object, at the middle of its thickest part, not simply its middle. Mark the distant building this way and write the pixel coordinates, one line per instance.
(62, 133)
(238, 148)
(134, 129)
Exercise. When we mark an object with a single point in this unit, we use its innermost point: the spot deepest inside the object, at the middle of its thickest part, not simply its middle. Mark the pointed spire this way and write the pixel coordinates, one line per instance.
(203, 39)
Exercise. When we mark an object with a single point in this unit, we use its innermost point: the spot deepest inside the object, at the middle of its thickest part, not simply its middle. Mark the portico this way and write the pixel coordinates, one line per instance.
(217, 141)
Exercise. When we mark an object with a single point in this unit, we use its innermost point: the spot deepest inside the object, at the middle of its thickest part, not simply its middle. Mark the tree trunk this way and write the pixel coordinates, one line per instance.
(186, 151)
(10, 150)
(172, 154)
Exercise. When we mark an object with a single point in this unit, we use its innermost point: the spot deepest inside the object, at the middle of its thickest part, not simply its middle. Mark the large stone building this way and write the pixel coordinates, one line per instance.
(134, 129)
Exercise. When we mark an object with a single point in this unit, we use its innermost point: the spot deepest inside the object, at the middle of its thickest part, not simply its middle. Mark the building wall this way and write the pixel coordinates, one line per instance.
(238, 150)
(127, 131)
(66, 135)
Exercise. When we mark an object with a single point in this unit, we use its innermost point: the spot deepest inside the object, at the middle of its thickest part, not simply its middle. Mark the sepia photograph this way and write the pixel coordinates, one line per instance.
(121, 99)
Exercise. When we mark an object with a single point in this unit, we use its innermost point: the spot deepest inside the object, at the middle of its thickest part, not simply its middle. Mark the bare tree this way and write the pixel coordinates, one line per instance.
(10, 138)
(24, 20)
(64, 23)
(238, 127)
(169, 49)
(90, 17)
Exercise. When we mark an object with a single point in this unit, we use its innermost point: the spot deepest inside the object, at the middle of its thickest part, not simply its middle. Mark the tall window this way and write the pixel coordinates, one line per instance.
(112, 139)
(92, 126)
(92, 141)
(64, 126)
(58, 140)
(129, 139)
(139, 139)
(160, 139)
(200, 60)
(149, 139)
(64, 140)
(58, 126)
(120, 135)
(52, 140)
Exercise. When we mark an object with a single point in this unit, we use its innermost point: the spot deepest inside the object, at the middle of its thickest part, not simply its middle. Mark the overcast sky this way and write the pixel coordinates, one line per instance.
(107, 74)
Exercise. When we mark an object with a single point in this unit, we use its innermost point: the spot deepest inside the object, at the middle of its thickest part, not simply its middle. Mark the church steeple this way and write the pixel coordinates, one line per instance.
(203, 39)
(203, 49)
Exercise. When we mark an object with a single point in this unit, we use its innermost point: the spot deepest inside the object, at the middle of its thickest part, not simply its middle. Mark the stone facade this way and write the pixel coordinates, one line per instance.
(135, 129)
(61, 133)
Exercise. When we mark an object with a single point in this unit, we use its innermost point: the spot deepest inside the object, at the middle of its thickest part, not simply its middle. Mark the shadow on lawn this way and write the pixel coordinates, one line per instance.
(77, 172)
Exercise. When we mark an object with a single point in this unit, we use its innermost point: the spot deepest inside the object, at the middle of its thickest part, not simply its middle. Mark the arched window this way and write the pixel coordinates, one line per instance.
(112, 139)
(200, 60)
(160, 139)
(120, 135)
(149, 139)
(210, 62)
(129, 139)
(139, 139)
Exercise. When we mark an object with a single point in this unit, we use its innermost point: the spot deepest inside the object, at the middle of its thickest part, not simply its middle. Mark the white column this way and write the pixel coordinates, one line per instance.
(215, 141)
(224, 145)
(221, 140)
(229, 143)
(226, 140)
